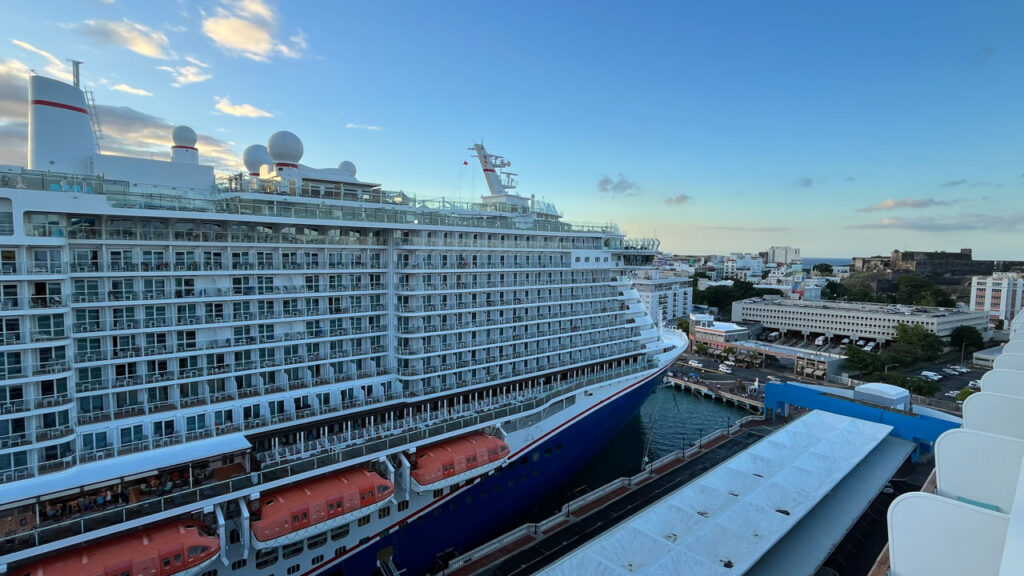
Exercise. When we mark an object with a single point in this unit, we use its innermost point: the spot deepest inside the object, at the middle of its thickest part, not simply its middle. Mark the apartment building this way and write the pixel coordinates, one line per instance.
(668, 293)
(1001, 295)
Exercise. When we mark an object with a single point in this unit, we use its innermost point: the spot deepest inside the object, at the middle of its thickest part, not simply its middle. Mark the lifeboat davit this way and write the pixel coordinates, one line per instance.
(457, 460)
(297, 512)
(175, 547)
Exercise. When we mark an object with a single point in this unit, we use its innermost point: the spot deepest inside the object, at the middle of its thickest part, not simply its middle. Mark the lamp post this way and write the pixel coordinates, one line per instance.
(962, 345)
(887, 366)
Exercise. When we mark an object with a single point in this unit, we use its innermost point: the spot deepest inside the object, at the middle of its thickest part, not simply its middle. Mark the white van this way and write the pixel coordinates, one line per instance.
(695, 364)
(725, 368)
(819, 341)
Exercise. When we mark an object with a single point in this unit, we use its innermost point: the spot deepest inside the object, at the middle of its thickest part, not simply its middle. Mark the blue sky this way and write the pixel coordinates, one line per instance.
(845, 129)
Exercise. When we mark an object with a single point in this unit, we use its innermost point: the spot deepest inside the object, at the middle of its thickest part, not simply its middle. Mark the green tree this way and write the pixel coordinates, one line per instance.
(701, 348)
(858, 360)
(683, 324)
(823, 269)
(928, 345)
(966, 338)
(963, 394)
(999, 324)
(834, 291)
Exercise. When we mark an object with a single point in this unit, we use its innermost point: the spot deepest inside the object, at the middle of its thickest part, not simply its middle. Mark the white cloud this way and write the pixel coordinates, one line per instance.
(186, 74)
(130, 90)
(197, 62)
(247, 28)
(132, 35)
(369, 127)
(54, 66)
(244, 110)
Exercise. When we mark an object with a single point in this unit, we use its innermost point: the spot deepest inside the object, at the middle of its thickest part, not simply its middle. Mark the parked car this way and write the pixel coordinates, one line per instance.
(974, 385)
(696, 364)
(725, 368)
(950, 371)
(931, 376)
(961, 369)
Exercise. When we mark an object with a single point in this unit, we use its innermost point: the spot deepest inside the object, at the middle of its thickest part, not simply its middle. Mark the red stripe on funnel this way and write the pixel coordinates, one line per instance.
(60, 105)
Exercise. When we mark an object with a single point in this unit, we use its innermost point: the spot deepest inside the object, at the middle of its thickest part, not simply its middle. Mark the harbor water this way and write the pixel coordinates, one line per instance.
(669, 420)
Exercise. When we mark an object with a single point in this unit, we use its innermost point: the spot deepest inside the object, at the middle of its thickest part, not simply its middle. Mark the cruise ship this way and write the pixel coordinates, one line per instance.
(291, 370)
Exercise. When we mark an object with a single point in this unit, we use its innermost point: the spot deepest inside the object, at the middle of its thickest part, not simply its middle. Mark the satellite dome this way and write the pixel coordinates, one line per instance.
(254, 157)
(184, 136)
(347, 167)
(285, 147)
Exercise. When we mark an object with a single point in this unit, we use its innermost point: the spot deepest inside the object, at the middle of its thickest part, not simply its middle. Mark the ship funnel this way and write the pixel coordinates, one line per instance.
(60, 134)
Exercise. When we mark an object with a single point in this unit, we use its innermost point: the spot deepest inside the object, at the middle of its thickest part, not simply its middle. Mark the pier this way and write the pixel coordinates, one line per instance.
(727, 392)
(531, 547)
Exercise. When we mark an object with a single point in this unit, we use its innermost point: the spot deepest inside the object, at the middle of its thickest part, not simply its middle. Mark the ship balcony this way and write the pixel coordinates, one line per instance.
(33, 268)
(36, 403)
(428, 286)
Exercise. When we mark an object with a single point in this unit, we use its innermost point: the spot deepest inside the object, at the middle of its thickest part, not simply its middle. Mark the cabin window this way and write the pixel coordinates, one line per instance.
(330, 506)
(177, 558)
(403, 505)
(167, 562)
(339, 533)
(384, 512)
(294, 568)
(382, 488)
(364, 520)
(317, 541)
(239, 564)
(317, 559)
(212, 572)
(438, 493)
(291, 550)
(266, 558)
(194, 551)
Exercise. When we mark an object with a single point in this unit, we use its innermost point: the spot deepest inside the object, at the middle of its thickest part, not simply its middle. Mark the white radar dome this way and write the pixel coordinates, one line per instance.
(285, 147)
(184, 136)
(254, 157)
(347, 167)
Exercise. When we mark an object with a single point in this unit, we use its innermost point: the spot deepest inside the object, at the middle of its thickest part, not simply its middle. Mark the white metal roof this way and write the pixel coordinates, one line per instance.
(120, 467)
(727, 519)
(883, 389)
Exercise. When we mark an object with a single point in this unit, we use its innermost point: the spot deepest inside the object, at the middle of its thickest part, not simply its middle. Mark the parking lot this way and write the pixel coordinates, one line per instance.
(949, 382)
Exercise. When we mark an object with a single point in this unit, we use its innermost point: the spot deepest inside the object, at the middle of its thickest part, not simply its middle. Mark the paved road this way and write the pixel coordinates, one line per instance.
(711, 372)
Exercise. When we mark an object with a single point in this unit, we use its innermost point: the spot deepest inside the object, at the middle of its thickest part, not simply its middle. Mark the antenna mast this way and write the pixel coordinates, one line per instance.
(75, 64)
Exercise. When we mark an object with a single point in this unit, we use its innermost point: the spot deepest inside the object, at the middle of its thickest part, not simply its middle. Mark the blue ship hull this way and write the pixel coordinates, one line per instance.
(485, 509)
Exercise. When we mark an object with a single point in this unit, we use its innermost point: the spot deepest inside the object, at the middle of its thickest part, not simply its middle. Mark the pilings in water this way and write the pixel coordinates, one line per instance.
(718, 392)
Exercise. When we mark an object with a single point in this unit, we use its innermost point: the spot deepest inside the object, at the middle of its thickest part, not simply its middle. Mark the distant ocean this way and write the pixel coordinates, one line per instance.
(808, 262)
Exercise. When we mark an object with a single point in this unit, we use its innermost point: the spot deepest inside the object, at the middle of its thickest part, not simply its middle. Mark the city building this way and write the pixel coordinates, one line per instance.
(784, 254)
(852, 319)
(704, 329)
(668, 293)
(1001, 295)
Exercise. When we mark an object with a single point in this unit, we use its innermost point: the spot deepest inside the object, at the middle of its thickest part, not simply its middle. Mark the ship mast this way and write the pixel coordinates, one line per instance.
(498, 182)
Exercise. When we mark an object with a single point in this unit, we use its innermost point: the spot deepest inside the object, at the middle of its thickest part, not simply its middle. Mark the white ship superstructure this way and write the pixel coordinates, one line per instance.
(174, 347)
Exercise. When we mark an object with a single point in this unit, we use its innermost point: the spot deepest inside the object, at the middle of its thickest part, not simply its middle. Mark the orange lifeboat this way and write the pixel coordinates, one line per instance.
(170, 548)
(457, 460)
(296, 512)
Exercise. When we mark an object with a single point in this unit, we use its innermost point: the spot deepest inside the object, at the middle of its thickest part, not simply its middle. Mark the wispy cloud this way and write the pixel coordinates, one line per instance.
(130, 90)
(892, 204)
(804, 182)
(132, 35)
(243, 110)
(197, 62)
(54, 66)
(248, 28)
(186, 74)
(620, 185)
(369, 127)
(126, 131)
(953, 183)
(954, 223)
(677, 200)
